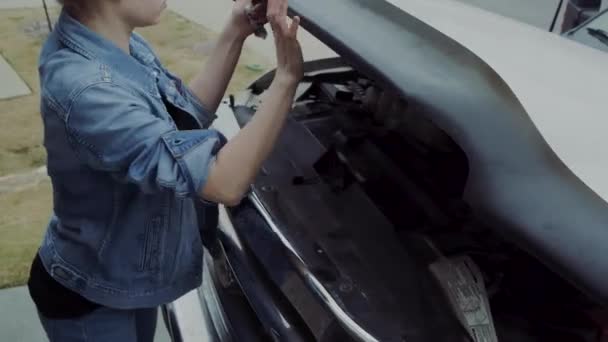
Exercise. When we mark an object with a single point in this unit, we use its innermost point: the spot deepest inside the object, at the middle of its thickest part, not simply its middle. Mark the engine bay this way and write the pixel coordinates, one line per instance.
(370, 193)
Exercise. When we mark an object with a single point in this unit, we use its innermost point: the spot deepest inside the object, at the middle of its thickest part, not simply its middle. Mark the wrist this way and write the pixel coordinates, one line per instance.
(285, 80)
(234, 33)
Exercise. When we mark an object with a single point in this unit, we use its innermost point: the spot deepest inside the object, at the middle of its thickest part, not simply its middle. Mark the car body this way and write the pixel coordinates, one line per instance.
(438, 180)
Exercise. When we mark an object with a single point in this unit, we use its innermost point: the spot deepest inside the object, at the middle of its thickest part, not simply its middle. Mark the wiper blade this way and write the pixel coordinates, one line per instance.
(598, 34)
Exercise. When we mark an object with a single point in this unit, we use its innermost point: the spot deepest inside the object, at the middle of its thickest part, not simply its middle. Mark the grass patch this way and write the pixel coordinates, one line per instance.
(24, 214)
(21, 140)
(22, 32)
(23, 219)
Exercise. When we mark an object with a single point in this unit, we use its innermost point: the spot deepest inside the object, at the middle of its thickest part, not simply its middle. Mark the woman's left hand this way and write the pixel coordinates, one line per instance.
(244, 24)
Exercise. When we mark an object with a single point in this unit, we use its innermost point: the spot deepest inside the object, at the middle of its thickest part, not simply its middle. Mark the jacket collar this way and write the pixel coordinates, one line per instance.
(139, 66)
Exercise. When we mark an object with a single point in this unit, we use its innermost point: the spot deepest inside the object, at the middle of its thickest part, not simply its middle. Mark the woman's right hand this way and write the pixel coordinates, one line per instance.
(289, 54)
(238, 162)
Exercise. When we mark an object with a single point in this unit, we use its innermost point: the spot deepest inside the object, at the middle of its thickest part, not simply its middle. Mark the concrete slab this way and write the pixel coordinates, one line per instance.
(19, 321)
(11, 85)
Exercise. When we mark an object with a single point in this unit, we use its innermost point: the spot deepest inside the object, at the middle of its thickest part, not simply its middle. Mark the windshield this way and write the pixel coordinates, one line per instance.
(593, 32)
(600, 22)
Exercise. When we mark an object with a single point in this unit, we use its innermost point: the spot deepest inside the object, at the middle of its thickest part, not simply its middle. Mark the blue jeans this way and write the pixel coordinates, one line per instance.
(104, 325)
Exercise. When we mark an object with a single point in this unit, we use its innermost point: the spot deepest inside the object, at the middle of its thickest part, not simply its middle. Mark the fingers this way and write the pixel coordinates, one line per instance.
(276, 12)
(243, 3)
(279, 25)
(259, 10)
(276, 8)
(293, 28)
(283, 8)
(258, 14)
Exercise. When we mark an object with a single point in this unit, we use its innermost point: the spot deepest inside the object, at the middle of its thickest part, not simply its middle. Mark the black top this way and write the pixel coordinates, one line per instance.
(52, 299)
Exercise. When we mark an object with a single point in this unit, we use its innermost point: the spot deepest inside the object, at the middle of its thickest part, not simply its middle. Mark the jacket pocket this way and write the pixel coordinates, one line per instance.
(151, 250)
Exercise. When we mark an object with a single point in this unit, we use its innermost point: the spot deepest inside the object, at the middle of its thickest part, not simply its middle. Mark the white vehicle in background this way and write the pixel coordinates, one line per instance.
(593, 32)
(577, 12)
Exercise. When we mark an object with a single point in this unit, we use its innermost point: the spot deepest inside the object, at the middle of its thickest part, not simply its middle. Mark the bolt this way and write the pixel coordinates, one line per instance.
(268, 188)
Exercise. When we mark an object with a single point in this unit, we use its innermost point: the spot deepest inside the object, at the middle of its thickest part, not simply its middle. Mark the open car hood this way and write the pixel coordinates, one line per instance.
(558, 82)
(524, 125)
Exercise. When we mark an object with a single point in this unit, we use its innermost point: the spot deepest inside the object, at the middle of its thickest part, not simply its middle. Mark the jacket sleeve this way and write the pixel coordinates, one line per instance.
(113, 130)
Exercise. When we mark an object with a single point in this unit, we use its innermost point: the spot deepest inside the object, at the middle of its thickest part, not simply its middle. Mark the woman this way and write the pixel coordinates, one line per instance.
(131, 159)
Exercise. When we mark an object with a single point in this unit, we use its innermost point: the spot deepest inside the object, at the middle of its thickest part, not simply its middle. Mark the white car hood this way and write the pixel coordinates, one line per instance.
(562, 84)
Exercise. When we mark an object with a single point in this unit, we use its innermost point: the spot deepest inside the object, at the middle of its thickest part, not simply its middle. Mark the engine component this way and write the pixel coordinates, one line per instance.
(462, 282)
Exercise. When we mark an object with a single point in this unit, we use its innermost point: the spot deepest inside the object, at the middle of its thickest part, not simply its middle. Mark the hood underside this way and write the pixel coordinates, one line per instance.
(517, 183)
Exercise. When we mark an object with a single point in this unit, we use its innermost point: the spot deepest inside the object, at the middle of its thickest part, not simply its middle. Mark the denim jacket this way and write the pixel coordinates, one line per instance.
(124, 230)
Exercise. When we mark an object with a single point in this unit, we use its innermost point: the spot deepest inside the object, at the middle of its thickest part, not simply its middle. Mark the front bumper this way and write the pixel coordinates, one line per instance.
(198, 315)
